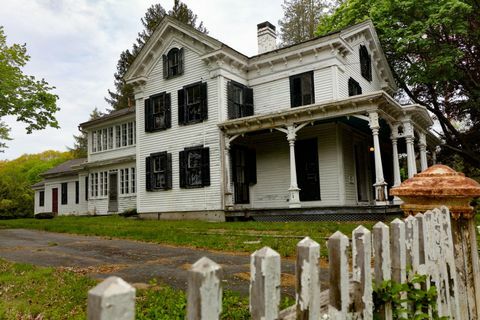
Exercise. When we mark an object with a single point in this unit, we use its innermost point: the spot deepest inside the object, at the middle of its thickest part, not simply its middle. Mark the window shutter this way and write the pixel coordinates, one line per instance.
(251, 166)
(293, 93)
(181, 106)
(312, 88)
(165, 67)
(204, 103)
(183, 167)
(232, 113)
(350, 87)
(168, 111)
(180, 61)
(169, 171)
(148, 116)
(148, 173)
(206, 166)
(248, 103)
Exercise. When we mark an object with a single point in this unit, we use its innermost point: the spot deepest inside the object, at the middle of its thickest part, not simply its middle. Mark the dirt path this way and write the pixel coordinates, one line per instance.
(136, 262)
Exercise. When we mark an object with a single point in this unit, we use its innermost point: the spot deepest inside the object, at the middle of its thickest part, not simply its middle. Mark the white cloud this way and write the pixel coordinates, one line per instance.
(75, 45)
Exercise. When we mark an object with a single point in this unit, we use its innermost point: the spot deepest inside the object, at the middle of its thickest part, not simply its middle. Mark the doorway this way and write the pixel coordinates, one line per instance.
(308, 178)
(361, 171)
(113, 192)
(55, 201)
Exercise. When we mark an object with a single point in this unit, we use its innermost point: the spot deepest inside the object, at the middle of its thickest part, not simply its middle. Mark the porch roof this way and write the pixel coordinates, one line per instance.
(379, 101)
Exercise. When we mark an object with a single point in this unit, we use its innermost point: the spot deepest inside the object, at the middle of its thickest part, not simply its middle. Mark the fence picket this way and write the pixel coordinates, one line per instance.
(382, 262)
(204, 291)
(113, 299)
(264, 284)
(411, 245)
(362, 272)
(339, 279)
(398, 253)
(308, 279)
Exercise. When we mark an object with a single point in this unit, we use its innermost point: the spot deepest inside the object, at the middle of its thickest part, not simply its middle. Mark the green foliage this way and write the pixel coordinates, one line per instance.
(432, 48)
(22, 95)
(16, 178)
(80, 145)
(408, 300)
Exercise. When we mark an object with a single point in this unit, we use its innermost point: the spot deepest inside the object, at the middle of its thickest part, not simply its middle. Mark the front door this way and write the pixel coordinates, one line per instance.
(113, 192)
(306, 158)
(55, 201)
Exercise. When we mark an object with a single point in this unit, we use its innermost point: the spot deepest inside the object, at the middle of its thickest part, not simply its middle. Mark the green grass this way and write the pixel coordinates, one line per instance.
(223, 236)
(29, 292)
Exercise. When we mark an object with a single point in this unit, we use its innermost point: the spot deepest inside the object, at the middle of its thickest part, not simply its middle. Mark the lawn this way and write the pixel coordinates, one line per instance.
(224, 236)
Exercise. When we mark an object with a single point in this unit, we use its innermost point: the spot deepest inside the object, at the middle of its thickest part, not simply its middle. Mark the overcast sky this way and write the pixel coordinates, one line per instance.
(75, 45)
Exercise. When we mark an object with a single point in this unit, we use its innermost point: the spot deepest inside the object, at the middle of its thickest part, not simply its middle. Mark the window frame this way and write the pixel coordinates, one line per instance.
(184, 106)
(365, 63)
(165, 108)
(64, 193)
(77, 192)
(204, 168)
(173, 63)
(164, 158)
(243, 108)
(41, 198)
(294, 101)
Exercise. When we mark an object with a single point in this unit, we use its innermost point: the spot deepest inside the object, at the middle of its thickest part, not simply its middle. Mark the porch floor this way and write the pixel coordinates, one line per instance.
(334, 213)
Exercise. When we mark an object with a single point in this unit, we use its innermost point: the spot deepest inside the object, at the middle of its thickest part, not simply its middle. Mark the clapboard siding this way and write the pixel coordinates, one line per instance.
(64, 209)
(176, 138)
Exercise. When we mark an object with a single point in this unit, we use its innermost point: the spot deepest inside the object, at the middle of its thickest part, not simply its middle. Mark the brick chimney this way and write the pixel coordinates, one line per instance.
(267, 38)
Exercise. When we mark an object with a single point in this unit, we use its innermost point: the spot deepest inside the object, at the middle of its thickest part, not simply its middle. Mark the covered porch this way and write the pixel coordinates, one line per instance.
(338, 154)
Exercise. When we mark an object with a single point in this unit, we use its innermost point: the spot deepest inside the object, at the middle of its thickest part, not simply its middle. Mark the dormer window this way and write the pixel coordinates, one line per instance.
(365, 63)
(301, 89)
(354, 88)
(173, 63)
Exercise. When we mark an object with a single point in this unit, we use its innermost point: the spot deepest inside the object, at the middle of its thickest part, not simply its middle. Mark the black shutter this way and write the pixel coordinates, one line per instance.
(183, 167)
(148, 115)
(294, 92)
(312, 88)
(231, 110)
(248, 103)
(351, 89)
(168, 111)
(86, 188)
(251, 161)
(204, 100)
(165, 67)
(180, 61)
(148, 173)
(181, 106)
(206, 166)
(169, 171)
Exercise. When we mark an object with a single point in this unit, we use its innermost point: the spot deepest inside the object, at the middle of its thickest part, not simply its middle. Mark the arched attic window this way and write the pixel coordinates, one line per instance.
(173, 63)
(365, 63)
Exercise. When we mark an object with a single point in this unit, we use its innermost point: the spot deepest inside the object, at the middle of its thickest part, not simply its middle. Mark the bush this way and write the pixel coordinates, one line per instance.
(44, 215)
(129, 213)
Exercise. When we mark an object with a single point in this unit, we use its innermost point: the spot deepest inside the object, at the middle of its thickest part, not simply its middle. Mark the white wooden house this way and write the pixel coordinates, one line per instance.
(309, 128)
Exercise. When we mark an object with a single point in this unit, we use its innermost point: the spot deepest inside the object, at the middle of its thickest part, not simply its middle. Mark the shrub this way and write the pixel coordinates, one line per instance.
(129, 212)
(44, 215)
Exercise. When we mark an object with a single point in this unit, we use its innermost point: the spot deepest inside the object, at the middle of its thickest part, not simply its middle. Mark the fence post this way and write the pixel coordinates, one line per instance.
(382, 262)
(204, 297)
(113, 299)
(362, 272)
(339, 278)
(308, 280)
(264, 284)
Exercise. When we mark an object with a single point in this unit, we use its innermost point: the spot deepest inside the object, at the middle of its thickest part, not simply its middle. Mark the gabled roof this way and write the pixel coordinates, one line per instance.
(212, 48)
(112, 115)
(66, 168)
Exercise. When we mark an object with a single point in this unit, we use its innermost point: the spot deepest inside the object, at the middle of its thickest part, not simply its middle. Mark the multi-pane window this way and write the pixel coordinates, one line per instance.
(158, 112)
(194, 167)
(365, 63)
(77, 192)
(301, 89)
(159, 171)
(130, 133)
(122, 181)
(105, 139)
(124, 134)
(98, 184)
(354, 87)
(110, 138)
(133, 182)
(116, 136)
(173, 63)
(41, 198)
(94, 141)
(65, 193)
(99, 140)
(192, 104)
(240, 100)
(86, 188)
(127, 180)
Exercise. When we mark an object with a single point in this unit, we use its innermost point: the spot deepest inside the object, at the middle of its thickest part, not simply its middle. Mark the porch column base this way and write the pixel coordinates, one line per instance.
(397, 200)
(228, 201)
(381, 193)
(294, 198)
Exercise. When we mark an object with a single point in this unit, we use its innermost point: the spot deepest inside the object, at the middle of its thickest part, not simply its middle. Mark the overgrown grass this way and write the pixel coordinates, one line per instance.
(29, 292)
(227, 236)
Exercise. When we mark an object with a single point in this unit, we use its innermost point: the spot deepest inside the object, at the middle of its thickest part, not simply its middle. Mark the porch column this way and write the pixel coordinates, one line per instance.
(380, 184)
(228, 183)
(409, 138)
(422, 145)
(396, 165)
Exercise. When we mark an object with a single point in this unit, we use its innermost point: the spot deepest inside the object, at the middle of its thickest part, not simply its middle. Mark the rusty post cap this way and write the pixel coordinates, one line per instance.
(438, 181)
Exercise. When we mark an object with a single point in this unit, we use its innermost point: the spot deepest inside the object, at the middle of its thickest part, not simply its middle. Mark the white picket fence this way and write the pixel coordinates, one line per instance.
(417, 245)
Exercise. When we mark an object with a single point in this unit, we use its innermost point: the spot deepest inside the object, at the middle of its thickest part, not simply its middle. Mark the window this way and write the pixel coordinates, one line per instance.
(194, 167)
(133, 182)
(192, 104)
(41, 198)
(130, 133)
(173, 63)
(94, 141)
(86, 188)
(122, 182)
(105, 183)
(110, 138)
(240, 100)
(124, 134)
(127, 180)
(99, 140)
(65, 193)
(301, 89)
(96, 184)
(159, 171)
(77, 192)
(105, 139)
(354, 88)
(158, 113)
(118, 136)
(365, 63)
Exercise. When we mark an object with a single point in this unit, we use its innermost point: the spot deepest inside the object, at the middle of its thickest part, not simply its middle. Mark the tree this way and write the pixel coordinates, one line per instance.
(432, 47)
(21, 95)
(300, 20)
(123, 95)
(80, 144)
